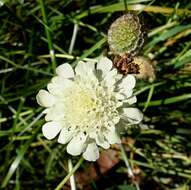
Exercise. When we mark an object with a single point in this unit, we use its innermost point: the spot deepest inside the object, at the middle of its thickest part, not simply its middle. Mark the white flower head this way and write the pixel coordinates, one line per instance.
(85, 105)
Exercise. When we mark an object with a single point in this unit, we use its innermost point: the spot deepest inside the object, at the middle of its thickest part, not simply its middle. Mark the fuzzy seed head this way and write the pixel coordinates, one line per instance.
(147, 70)
(125, 35)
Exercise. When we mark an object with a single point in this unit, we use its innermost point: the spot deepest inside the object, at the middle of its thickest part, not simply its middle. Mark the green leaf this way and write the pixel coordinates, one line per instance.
(17, 160)
(126, 187)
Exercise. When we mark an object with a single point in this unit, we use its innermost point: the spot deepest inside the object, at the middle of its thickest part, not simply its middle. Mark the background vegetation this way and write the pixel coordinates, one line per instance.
(159, 151)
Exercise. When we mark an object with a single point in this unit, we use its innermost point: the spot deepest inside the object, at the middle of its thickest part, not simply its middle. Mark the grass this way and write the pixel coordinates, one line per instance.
(35, 36)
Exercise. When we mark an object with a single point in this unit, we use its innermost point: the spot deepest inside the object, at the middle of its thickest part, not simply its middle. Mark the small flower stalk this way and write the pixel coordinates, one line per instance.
(84, 107)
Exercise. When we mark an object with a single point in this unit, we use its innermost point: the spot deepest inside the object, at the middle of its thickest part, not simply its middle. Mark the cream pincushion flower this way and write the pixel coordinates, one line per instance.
(85, 106)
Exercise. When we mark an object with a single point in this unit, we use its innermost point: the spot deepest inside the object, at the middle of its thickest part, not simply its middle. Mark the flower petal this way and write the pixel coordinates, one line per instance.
(55, 112)
(86, 72)
(123, 95)
(45, 99)
(65, 135)
(101, 141)
(128, 82)
(58, 85)
(51, 129)
(99, 138)
(133, 115)
(110, 79)
(104, 64)
(83, 68)
(126, 87)
(112, 137)
(65, 70)
(76, 145)
(132, 100)
(91, 153)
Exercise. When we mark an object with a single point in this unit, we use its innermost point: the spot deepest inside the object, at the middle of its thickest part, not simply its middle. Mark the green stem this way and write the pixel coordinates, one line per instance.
(133, 7)
(168, 100)
(130, 172)
(72, 178)
(124, 156)
(73, 40)
(60, 185)
(47, 30)
(149, 97)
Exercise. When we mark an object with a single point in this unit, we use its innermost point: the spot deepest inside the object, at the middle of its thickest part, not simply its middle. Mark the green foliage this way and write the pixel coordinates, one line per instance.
(31, 29)
(126, 187)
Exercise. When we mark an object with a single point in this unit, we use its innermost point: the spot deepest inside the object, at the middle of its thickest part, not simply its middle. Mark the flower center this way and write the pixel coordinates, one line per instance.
(88, 108)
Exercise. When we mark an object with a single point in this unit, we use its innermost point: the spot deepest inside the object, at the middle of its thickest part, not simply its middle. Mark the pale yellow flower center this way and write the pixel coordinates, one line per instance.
(87, 107)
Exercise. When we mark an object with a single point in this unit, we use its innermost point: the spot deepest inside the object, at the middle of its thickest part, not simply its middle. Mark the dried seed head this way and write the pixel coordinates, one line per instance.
(125, 64)
(125, 35)
(146, 70)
